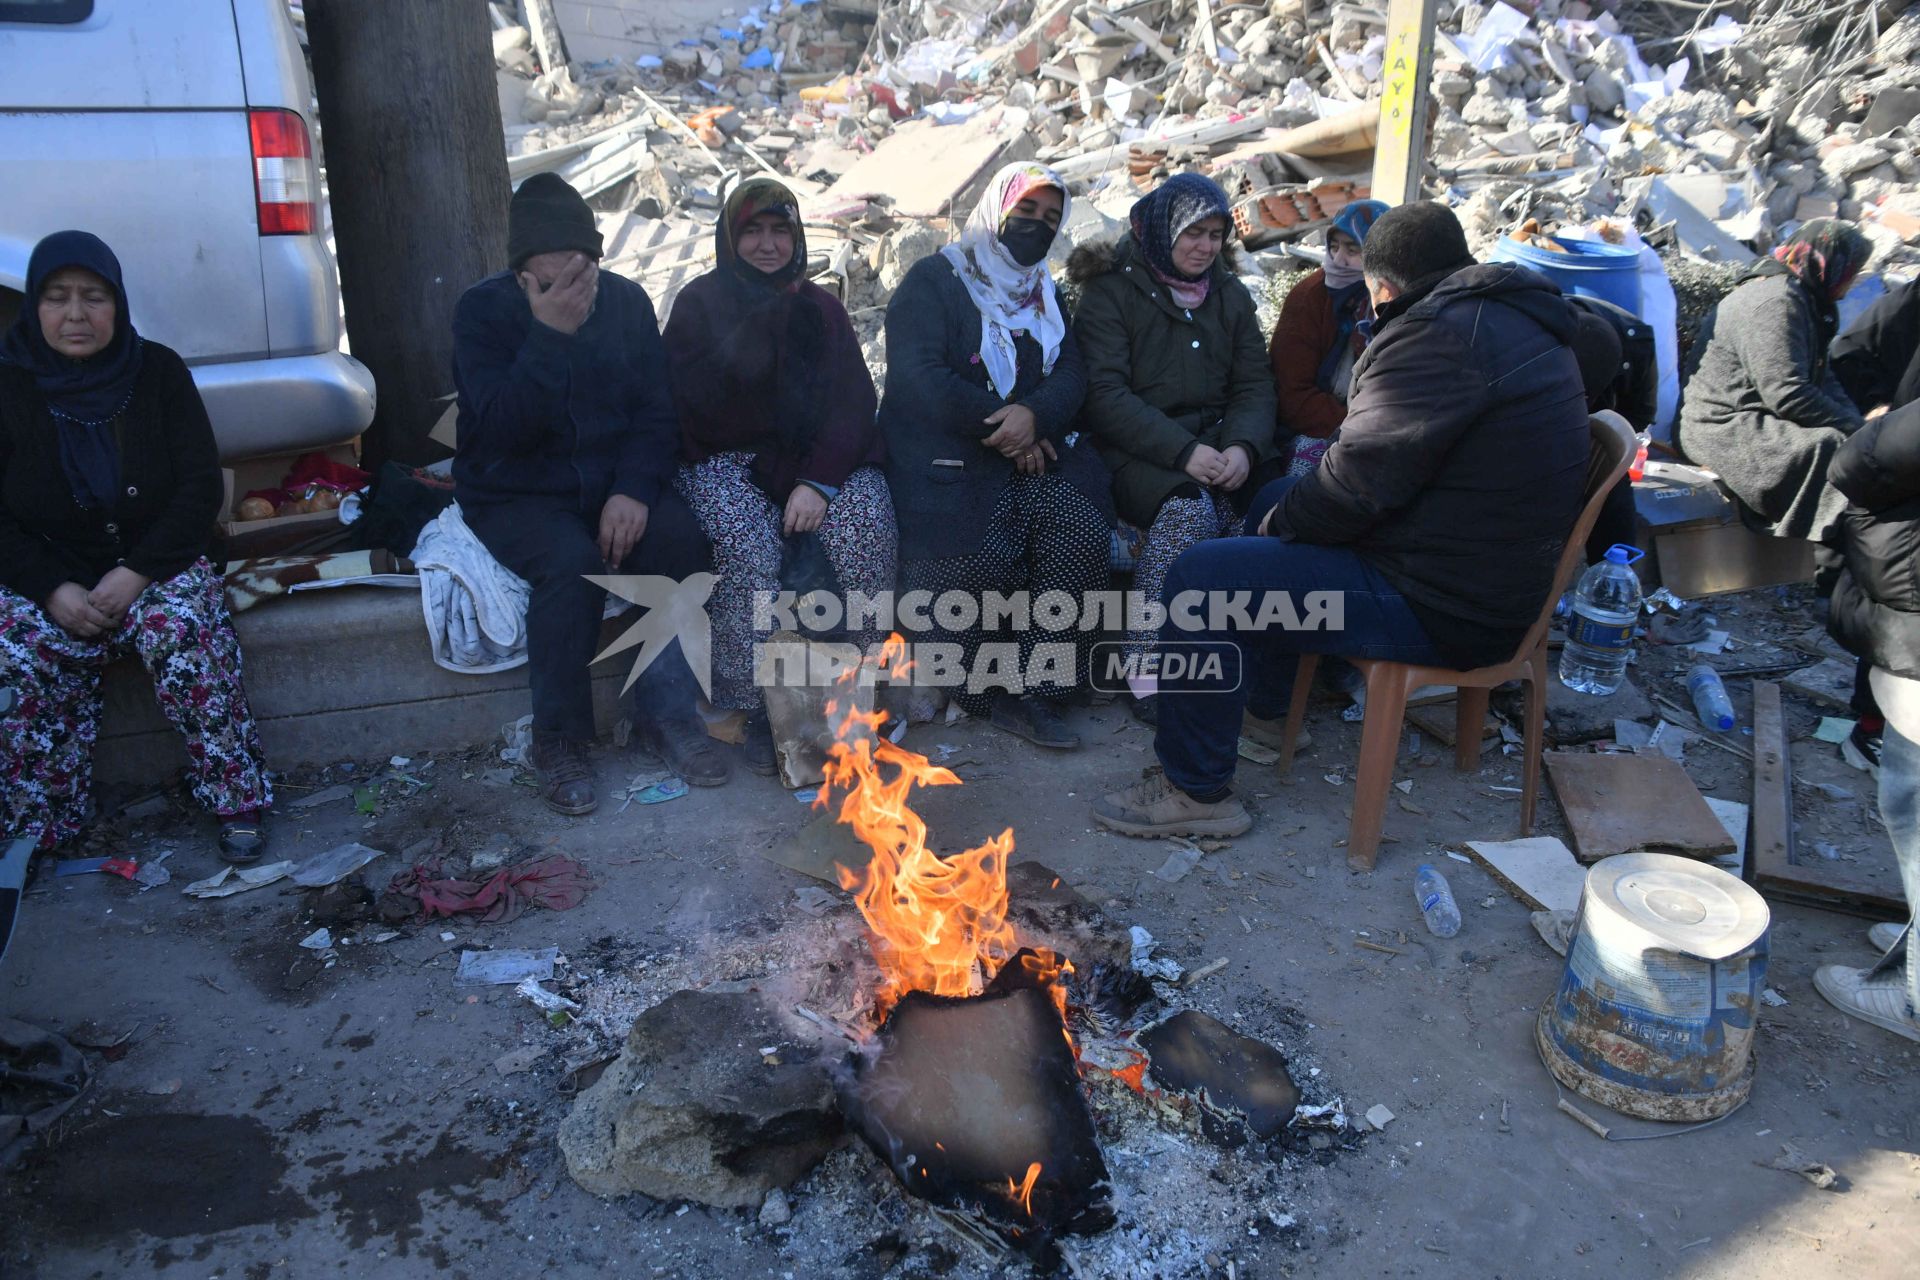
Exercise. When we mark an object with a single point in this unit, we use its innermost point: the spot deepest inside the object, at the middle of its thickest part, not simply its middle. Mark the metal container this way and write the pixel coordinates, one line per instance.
(1655, 1012)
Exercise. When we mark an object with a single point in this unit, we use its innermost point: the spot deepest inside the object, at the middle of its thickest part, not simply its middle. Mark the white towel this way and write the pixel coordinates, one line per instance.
(476, 610)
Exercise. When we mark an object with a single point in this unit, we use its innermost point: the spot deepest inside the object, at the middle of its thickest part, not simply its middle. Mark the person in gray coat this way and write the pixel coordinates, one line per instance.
(1763, 410)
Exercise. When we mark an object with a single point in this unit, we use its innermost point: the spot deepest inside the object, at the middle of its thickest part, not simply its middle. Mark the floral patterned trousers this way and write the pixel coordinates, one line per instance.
(858, 535)
(180, 630)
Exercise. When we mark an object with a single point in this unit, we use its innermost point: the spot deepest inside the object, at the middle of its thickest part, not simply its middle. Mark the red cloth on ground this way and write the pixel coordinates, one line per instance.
(556, 882)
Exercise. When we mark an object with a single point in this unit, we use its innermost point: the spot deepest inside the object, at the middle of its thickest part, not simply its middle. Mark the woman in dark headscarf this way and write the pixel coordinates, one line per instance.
(1179, 395)
(109, 489)
(996, 493)
(1323, 328)
(1764, 410)
(776, 416)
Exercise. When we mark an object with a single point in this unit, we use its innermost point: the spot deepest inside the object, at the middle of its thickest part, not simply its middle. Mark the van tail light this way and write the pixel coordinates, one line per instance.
(285, 187)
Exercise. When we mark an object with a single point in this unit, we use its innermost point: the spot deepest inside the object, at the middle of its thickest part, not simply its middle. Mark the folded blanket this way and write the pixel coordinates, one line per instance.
(251, 581)
(476, 610)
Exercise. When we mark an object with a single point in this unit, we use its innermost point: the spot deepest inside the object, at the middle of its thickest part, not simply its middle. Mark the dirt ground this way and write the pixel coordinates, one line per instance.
(269, 1115)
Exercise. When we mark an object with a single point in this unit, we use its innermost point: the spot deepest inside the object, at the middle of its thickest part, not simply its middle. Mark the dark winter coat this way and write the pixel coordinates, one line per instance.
(559, 418)
(1764, 412)
(1162, 380)
(752, 367)
(1878, 358)
(169, 491)
(1303, 338)
(1462, 464)
(1876, 602)
(933, 415)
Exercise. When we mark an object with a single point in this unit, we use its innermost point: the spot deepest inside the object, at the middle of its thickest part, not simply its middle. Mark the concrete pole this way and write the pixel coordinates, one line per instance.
(1406, 71)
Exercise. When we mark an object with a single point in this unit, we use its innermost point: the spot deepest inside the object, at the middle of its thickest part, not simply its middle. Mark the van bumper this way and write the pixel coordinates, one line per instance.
(285, 405)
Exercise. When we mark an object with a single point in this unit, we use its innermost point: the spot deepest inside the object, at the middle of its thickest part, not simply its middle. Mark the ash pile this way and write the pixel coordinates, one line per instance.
(1097, 1122)
(1710, 131)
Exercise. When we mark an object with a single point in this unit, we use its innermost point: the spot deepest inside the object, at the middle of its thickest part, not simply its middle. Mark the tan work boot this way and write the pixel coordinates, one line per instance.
(1880, 1000)
(566, 780)
(1155, 807)
(1272, 733)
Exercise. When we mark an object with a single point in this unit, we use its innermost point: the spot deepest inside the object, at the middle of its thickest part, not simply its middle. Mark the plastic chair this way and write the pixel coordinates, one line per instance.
(1389, 684)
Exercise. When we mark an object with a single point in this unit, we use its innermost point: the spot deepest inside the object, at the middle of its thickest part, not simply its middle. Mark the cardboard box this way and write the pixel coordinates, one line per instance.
(249, 539)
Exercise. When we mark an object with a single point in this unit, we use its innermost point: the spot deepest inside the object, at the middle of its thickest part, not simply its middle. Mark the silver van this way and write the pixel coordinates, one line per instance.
(177, 131)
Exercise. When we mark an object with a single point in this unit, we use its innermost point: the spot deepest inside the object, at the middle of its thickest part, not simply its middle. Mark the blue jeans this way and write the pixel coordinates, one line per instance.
(1199, 729)
(1900, 810)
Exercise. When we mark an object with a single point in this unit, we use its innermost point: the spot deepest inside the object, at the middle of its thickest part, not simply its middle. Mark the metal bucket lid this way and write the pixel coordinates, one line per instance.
(1687, 906)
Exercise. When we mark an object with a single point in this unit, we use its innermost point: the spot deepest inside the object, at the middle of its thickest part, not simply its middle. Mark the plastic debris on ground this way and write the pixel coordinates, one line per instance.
(506, 968)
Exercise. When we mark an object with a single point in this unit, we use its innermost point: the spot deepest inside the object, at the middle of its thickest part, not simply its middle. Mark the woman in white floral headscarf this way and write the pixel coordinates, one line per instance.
(992, 489)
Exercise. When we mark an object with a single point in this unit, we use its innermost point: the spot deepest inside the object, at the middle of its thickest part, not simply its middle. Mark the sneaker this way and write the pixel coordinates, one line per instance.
(1862, 750)
(1881, 1001)
(690, 751)
(243, 838)
(756, 751)
(1035, 720)
(1155, 807)
(565, 778)
(1272, 733)
(1884, 935)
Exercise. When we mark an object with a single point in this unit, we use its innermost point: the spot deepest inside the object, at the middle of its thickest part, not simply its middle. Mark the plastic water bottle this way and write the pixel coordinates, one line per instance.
(1436, 901)
(1605, 606)
(1710, 701)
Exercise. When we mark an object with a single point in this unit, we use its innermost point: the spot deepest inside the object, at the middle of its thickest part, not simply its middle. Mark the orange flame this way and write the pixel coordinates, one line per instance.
(1023, 1192)
(936, 921)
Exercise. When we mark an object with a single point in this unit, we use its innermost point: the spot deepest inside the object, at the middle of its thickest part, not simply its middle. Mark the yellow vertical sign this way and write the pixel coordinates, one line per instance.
(1399, 158)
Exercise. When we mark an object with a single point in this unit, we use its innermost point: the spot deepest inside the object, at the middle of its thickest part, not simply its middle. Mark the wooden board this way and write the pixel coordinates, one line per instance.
(1775, 873)
(1622, 803)
(1539, 870)
(1438, 721)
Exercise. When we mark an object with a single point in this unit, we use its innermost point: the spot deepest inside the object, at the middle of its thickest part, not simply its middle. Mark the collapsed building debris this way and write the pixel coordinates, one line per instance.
(1710, 130)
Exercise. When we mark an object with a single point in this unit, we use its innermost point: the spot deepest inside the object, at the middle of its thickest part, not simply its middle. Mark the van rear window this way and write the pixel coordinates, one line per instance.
(45, 10)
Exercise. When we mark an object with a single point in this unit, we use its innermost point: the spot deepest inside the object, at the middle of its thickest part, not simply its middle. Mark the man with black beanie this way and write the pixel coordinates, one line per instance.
(566, 443)
(1433, 524)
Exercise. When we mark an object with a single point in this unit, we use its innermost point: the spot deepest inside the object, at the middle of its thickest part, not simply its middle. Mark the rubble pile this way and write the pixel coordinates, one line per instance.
(1711, 130)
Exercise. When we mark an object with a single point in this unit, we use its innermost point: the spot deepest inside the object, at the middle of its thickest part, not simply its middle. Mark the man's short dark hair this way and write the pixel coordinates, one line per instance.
(1414, 241)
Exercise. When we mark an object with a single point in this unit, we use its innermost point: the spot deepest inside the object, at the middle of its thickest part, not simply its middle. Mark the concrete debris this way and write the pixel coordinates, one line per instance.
(1712, 139)
(692, 1110)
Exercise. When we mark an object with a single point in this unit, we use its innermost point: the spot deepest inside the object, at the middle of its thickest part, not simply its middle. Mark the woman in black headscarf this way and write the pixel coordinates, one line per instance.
(776, 418)
(1764, 410)
(109, 489)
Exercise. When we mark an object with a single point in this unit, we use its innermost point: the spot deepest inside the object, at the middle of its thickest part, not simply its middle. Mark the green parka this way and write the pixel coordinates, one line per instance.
(1161, 379)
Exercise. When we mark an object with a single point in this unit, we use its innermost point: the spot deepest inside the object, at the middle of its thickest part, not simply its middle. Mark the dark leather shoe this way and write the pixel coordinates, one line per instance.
(566, 779)
(1035, 720)
(690, 751)
(243, 838)
(757, 750)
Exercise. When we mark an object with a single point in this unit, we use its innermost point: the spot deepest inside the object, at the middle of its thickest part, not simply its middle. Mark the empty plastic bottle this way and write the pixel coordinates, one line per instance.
(1710, 701)
(1436, 901)
(1606, 604)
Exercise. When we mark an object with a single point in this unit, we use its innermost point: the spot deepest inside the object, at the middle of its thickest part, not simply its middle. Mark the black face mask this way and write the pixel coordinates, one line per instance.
(1027, 239)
